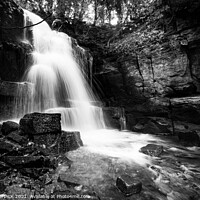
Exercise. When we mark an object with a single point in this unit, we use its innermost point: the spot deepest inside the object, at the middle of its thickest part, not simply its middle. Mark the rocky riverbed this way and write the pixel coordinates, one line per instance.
(40, 161)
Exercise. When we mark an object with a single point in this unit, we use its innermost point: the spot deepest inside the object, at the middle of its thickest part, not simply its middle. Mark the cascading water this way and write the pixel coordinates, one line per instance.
(58, 84)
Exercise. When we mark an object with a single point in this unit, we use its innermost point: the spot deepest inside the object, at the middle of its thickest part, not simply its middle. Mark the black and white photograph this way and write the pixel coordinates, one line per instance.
(100, 99)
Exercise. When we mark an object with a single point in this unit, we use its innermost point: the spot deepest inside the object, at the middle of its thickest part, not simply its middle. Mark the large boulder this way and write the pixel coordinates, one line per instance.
(41, 123)
(8, 127)
(68, 141)
(44, 129)
(152, 150)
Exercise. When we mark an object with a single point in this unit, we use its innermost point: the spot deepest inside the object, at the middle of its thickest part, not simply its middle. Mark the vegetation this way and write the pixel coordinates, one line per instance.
(125, 25)
(97, 12)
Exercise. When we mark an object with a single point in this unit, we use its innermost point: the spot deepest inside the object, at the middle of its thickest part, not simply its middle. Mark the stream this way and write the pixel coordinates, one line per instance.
(107, 154)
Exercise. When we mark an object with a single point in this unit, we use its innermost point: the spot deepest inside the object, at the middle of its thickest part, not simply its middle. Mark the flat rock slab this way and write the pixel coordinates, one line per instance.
(128, 185)
(152, 149)
(8, 88)
(41, 123)
(27, 161)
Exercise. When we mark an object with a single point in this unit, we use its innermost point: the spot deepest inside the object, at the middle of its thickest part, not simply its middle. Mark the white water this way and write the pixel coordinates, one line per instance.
(59, 84)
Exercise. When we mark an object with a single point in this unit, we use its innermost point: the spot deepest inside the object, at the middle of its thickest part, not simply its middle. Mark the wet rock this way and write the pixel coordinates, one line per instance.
(7, 146)
(69, 141)
(16, 137)
(42, 128)
(47, 179)
(113, 116)
(47, 140)
(8, 127)
(8, 88)
(152, 150)
(128, 185)
(152, 126)
(190, 138)
(186, 109)
(41, 123)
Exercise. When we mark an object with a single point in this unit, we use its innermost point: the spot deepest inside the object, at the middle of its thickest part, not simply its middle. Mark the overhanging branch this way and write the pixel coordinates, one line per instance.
(28, 26)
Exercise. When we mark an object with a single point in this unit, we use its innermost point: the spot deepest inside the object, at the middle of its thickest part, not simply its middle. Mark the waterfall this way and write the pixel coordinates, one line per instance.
(58, 82)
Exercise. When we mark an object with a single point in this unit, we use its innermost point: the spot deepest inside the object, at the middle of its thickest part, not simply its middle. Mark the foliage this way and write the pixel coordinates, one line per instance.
(140, 22)
(97, 12)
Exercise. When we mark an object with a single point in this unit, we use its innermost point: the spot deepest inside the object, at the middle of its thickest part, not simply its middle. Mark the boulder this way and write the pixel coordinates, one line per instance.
(152, 126)
(69, 141)
(128, 185)
(152, 150)
(8, 127)
(45, 130)
(41, 123)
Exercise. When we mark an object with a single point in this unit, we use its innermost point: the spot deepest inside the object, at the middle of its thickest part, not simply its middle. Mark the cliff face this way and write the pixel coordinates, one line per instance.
(14, 52)
(14, 55)
(155, 70)
(166, 62)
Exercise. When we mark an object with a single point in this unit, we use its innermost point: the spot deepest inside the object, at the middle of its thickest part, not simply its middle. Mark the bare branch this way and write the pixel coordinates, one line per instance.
(9, 28)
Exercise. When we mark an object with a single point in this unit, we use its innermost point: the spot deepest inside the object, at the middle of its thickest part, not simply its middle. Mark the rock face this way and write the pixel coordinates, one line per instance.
(168, 68)
(115, 117)
(14, 55)
(11, 16)
(162, 77)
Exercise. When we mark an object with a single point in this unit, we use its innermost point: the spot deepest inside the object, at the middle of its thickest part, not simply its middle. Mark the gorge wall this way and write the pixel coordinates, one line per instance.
(155, 71)
(14, 55)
